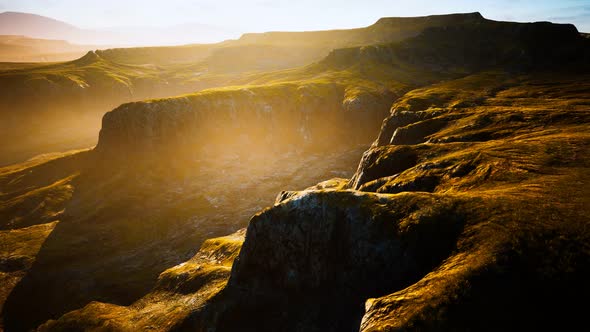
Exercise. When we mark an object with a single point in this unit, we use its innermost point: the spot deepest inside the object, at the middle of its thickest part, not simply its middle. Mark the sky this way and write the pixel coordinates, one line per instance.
(289, 15)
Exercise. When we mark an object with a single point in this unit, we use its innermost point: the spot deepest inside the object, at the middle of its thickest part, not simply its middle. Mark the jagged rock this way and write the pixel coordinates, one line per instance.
(332, 184)
(372, 186)
(420, 183)
(397, 119)
(405, 112)
(284, 195)
(418, 132)
(383, 161)
(341, 244)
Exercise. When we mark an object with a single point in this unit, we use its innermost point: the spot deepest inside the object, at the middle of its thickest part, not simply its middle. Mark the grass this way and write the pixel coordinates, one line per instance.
(524, 195)
(181, 290)
(18, 250)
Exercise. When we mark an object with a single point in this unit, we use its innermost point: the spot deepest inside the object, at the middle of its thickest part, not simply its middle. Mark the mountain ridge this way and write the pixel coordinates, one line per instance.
(39, 26)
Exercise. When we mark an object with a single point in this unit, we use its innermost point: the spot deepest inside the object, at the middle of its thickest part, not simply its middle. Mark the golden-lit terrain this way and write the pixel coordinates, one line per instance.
(62, 103)
(422, 174)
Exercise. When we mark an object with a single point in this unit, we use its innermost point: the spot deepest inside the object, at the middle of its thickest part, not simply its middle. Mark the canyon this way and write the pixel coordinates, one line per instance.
(425, 178)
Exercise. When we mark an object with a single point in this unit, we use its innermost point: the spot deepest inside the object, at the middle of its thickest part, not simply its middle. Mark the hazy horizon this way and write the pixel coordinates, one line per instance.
(234, 18)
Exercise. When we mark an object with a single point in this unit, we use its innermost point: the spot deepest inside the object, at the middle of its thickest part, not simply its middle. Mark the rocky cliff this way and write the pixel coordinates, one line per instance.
(255, 119)
(472, 47)
(385, 30)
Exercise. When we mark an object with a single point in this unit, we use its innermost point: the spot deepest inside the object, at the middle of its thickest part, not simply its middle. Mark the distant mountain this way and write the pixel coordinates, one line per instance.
(24, 49)
(36, 26)
(31, 25)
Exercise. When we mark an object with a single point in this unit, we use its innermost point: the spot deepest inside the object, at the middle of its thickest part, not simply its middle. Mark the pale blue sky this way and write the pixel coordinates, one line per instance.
(298, 15)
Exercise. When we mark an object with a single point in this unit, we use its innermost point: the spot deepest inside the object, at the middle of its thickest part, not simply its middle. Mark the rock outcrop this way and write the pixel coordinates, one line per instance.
(385, 30)
(261, 119)
(336, 248)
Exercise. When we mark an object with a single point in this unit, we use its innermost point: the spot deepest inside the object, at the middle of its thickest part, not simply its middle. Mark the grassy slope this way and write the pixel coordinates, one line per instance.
(18, 250)
(518, 158)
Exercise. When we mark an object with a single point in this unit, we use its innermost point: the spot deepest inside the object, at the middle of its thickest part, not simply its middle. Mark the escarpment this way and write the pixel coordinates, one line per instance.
(385, 30)
(260, 119)
(473, 47)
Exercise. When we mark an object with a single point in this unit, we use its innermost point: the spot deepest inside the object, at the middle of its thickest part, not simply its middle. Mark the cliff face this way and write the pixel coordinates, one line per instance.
(326, 251)
(261, 119)
(472, 47)
(385, 30)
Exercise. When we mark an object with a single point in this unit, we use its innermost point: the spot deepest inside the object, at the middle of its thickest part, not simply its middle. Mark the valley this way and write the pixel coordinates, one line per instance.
(422, 173)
